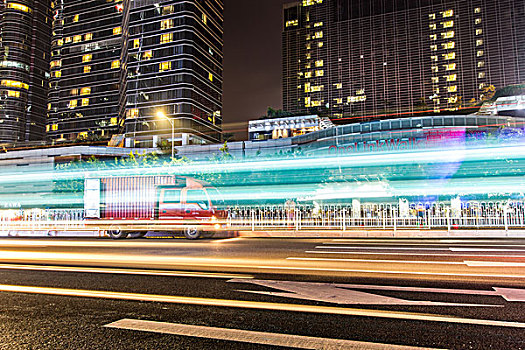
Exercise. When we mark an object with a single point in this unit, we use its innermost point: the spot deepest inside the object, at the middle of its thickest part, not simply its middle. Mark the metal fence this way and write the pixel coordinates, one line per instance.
(291, 216)
(471, 215)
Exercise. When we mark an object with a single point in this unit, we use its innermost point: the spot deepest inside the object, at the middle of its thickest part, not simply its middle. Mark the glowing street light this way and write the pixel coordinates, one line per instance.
(161, 115)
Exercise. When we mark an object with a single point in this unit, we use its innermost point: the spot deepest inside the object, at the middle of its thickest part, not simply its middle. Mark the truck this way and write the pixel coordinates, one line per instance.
(136, 205)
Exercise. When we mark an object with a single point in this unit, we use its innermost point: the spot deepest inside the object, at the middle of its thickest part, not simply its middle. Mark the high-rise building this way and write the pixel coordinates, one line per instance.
(377, 59)
(129, 66)
(25, 29)
(174, 70)
(85, 69)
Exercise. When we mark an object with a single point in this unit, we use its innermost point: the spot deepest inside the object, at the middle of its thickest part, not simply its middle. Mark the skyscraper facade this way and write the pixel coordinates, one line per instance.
(85, 69)
(362, 59)
(25, 29)
(174, 71)
(129, 66)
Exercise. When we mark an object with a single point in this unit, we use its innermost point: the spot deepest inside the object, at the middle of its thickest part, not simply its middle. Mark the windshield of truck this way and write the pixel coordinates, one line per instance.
(197, 197)
(216, 197)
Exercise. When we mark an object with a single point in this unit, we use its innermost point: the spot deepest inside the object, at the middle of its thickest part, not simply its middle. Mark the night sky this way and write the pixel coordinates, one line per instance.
(252, 60)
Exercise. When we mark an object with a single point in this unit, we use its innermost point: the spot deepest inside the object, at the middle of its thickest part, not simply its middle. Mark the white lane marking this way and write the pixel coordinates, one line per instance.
(377, 248)
(380, 261)
(228, 240)
(426, 244)
(339, 294)
(253, 337)
(494, 264)
(453, 249)
(121, 271)
(388, 272)
(413, 254)
(255, 305)
(485, 250)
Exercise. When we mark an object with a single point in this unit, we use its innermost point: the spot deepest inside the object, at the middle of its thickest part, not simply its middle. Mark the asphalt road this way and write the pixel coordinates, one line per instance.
(262, 294)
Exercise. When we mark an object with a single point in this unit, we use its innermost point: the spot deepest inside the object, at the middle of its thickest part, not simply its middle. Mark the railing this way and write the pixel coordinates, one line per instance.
(473, 215)
(503, 215)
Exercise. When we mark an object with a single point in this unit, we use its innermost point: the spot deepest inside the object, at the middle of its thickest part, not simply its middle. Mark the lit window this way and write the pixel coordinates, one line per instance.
(11, 93)
(74, 92)
(113, 121)
(477, 10)
(435, 69)
(448, 35)
(432, 16)
(166, 24)
(433, 26)
(85, 102)
(360, 92)
(435, 80)
(164, 66)
(136, 43)
(480, 53)
(479, 31)
(85, 91)
(76, 18)
(450, 56)
(479, 42)
(453, 99)
(166, 38)
(87, 69)
(319, 63)
(87, 58)
(115, 64)
(319, 73)
(14, 84)
(292, 23)
(311, 2)
(133, 113)
(451, 66)
(88, 36)
(448, 46)
(320, 44)
(448, 13)
(148, 55)
(210, 77)
(308, 74)
(433, 47)
(451, 77)
(77, 38)
(308, 56)
(58, 74)
(60, 42)
(73, 104)
(481, 75)
(307, 101)
(57, 63)
(433, 37)
(318, 24)
(117, 30)
(338, 100)
(481, 64)
(54, 127)
(434, 58)
(68, 39)
(318, 35)
(166, 10)
(18, 7)
(338, 86)
(478, 21)
(204, 18)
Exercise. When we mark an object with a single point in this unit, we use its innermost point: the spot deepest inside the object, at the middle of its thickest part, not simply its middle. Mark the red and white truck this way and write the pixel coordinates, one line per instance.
(135, 205)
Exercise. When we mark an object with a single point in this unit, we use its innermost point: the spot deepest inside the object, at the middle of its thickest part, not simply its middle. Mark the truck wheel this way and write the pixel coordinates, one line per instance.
(192, 232)
(117, 234)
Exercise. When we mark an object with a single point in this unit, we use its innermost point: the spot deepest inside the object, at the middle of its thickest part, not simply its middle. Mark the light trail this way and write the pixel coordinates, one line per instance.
(255, 305)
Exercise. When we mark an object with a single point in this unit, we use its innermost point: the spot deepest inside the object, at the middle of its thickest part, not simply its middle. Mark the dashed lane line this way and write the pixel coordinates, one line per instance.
(252, 337)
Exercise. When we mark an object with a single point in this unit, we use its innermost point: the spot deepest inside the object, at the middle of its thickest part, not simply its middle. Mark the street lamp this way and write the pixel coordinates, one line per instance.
(161, 115)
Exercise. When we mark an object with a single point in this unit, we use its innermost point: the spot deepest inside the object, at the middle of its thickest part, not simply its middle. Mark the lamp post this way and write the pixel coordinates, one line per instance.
(161, 115)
